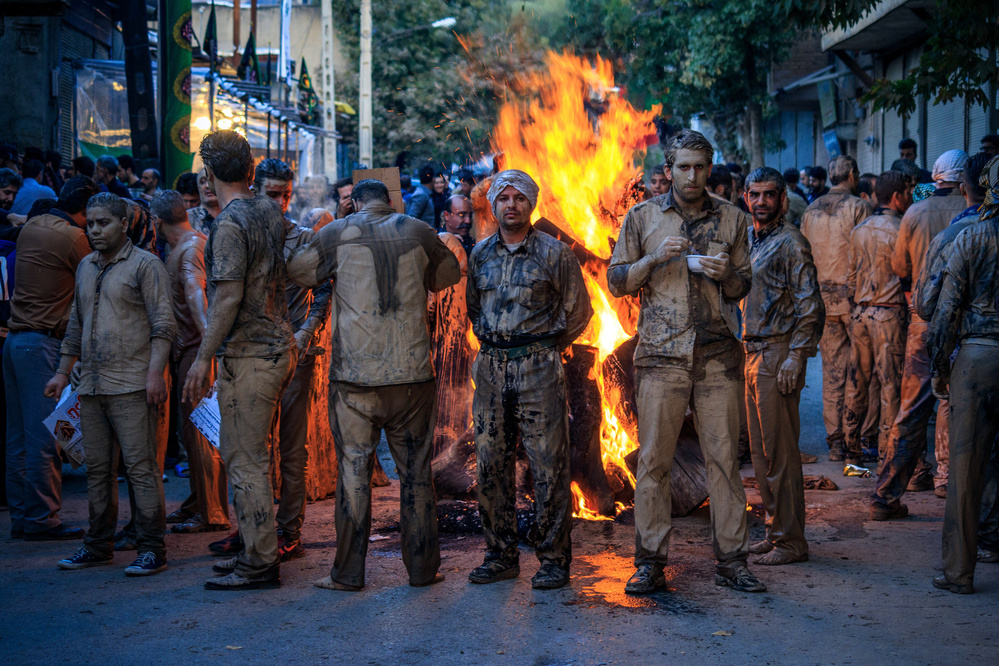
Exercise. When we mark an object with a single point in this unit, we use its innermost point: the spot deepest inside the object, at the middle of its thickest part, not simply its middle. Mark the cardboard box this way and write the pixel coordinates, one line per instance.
(64, 424)
(388, 176)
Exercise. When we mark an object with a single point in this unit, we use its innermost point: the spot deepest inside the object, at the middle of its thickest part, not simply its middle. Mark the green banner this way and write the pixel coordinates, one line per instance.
(175, 34)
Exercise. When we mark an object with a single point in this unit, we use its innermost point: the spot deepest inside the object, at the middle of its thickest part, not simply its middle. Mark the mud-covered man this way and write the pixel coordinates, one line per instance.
(383, 264)
(966, 315)
(206, 508)
(877, 326)
(308, 310)
(527, 302)
(120, 328)
(827, 224)
(201, 217)
(687, 354)
(248, 330)
(783, 316)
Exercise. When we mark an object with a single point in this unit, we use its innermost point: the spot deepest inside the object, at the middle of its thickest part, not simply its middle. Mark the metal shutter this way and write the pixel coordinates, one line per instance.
(944, 129)
(978, 126)
(891, 122)
(804, 149)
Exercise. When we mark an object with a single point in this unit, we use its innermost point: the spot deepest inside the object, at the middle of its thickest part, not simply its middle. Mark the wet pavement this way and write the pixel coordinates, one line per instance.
(863, 598)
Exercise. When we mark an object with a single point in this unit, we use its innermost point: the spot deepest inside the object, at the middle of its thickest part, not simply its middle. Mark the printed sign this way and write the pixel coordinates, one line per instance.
(207, 419)
(64, 424)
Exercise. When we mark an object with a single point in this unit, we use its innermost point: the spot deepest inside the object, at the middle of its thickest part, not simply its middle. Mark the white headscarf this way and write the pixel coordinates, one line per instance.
(949, 167)
(519, 180)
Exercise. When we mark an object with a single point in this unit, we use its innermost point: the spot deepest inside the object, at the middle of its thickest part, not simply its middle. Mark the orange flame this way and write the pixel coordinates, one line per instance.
(584, 161)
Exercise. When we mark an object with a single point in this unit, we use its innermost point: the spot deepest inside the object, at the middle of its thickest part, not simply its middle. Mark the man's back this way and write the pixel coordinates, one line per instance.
(920, 224)
(383, 264)
(827, 224)
(421, 205)
(871, 277)
(247, 245)
(186, 264)
(49, 249)
(30, 192)
(927, 289)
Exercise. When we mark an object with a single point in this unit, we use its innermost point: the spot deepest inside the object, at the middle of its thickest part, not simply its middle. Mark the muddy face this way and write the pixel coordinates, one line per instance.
(207, 189)
(690, 172)
(765, 203)
(513, 210)
(107, 232)
(278, 190)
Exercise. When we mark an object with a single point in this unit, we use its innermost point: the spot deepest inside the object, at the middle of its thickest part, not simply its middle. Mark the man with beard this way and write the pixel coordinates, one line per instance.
(783, 316)
(527, 302)
(687, 354)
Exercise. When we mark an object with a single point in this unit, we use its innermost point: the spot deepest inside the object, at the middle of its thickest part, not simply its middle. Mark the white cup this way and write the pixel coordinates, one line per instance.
(694, 263)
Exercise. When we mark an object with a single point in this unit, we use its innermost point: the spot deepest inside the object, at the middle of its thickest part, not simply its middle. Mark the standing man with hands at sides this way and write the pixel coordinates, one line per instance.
(121, 327)
(783, 316)
(687, 354)
(249, 334)
(527, 302)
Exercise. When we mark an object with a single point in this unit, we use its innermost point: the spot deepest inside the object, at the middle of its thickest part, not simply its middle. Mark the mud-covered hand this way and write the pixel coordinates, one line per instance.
(941, 387)
(156, 390)
(56, 385)
(302, 339)
(670, 248)
(196, 386)
(788, 374)
(716, 268)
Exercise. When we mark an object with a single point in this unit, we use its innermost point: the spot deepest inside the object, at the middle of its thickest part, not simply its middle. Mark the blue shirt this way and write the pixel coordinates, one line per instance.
(30, 192)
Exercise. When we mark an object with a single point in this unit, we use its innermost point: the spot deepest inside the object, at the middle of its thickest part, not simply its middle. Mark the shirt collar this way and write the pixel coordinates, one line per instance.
(757, 237)
(124, 253)
(669, 202)
(967, 212)
(498, 241)
(885, 210)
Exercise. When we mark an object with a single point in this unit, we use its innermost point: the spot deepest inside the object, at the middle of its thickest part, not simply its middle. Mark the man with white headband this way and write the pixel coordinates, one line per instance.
(920, 224)
(527, 302)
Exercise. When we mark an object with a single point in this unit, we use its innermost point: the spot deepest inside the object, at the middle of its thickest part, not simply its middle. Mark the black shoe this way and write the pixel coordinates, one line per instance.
(648, 578)
(550, 577)
(880, 512)
(234, 581)
(230, 545)
(146, 564)
(492, 571)
(82, 559)
(941, 583)
(988, 556)
(740, 580)
(61, 533)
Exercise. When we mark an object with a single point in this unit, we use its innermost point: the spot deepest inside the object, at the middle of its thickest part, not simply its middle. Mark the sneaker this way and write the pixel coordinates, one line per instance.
(59, 533)
(146, 564)
(234, 581)
(881, 512)
(492, 571)
(82, 559)
(941, 491)
(226, 566)
(195, 525)
(230, 545)
(648, 578)
(550, 577)
(182, 470)
(740, 580)
(290, 549)
(988, 556)
(179, 516)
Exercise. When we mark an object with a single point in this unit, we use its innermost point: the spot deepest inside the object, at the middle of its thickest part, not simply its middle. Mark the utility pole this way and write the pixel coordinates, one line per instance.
(365, 148)
(329, 95)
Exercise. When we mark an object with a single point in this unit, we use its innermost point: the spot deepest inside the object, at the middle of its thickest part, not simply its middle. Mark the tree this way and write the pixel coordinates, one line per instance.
(958, 59)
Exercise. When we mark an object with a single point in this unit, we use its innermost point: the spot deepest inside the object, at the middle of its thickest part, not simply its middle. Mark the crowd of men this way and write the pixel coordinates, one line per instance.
(144, 299)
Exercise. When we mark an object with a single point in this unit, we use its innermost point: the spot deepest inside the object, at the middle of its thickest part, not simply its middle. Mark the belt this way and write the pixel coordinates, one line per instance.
(756, 344)
(50, 332)
(517, 352)
(985, 342)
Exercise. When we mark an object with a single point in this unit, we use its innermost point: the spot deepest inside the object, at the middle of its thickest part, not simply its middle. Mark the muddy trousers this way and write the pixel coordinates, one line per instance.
(209, 495)
(974, 424)
(877, 337)
(249, 393)
(523, 397)
(774, 427)
(988, 525)
(125, 424)
(663, 395)
(834, 347)
(358, 414)
(905, 455)
(293, 437)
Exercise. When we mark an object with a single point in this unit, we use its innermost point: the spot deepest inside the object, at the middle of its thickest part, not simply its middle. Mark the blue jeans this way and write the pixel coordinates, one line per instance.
(34, 469)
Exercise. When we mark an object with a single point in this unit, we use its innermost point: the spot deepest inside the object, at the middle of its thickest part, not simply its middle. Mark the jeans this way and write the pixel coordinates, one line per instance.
(34, 469)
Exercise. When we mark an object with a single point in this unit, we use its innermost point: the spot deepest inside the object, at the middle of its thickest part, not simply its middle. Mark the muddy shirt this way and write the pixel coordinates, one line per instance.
(682, 310)
(827, 224)
(49, 249)
(304, 302)
(785, 298)
(927, 290)
(186, 267)
(968, 295)
(200, 219)
(382, 264)
(117, 309)
(872, 280)
(535, 292)
(247, 245)
(920, 225)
